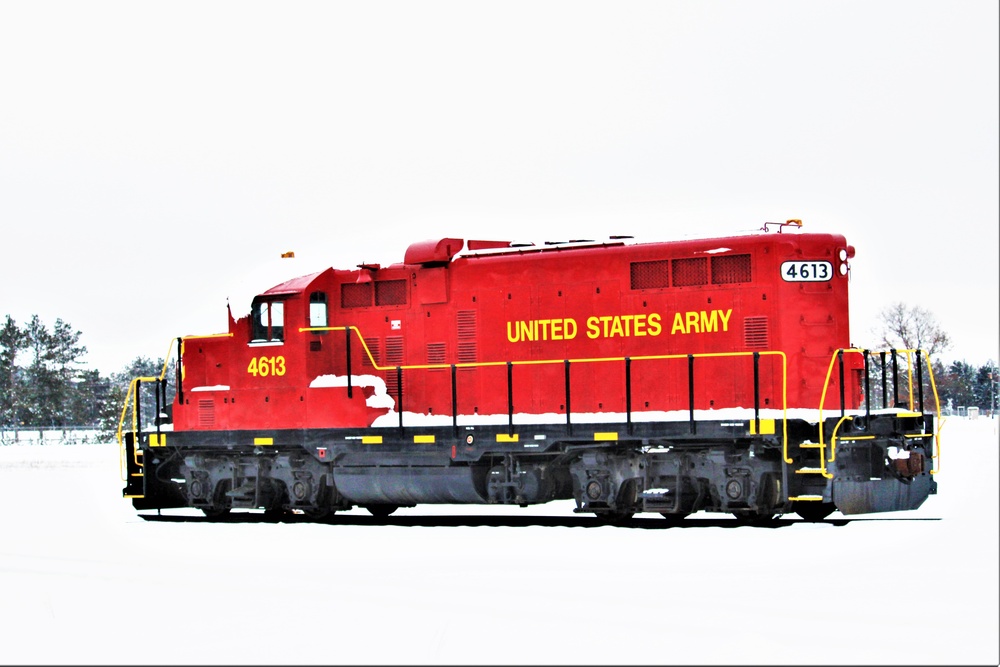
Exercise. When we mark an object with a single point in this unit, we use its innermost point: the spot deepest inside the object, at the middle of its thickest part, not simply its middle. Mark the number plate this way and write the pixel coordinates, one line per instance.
(806, 272)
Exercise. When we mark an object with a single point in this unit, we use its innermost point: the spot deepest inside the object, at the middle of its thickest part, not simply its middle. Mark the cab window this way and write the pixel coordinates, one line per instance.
(317, 310)
(267, 321)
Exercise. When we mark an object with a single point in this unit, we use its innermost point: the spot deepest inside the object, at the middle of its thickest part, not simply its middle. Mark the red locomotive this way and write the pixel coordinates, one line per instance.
(710, 374)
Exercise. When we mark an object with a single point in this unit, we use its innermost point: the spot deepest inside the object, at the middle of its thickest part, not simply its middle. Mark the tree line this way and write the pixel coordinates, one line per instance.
(959, 384)
(44, 382)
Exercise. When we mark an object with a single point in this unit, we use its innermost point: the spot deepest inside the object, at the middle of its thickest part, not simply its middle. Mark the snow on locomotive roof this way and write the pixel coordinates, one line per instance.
(522, 247)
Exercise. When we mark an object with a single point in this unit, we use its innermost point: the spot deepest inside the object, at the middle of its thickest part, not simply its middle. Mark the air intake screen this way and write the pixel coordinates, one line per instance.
(355, 295)
(728, 269)
(690, 272)
(648, 275)
(390, 292)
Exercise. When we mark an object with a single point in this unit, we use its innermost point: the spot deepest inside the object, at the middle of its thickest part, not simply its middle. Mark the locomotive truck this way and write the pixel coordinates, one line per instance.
(711, 374)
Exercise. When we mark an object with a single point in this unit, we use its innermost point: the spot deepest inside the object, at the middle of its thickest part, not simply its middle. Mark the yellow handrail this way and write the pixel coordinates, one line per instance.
(541, 362)
(131, 396)
(910, 404)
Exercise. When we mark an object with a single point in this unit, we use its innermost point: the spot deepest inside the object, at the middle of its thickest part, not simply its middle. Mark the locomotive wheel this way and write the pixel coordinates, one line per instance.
(319, 513)
(381, 511)
(813, 511)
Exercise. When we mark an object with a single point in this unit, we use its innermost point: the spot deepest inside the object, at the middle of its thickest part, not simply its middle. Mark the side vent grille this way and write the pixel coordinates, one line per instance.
(393, 357)
(375, 347)
(755, 333)
(468, 350)
(435, 353)
(206, 412)
(466, 324)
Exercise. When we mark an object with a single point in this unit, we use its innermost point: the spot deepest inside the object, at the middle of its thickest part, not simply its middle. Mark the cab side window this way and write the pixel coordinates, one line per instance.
(317, 310)
(267, 321)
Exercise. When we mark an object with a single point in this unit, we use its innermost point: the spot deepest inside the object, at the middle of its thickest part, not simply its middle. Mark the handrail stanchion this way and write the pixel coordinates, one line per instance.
(137, 412)
(510, 398)
(694, 427)
(454, 401)
(920, 381)
(399, 396)
(868, 389)
(347, 354)
(840, 360)
(569, 423)
(885, 391)
(756, 392)
(895, 379)
(628, 394)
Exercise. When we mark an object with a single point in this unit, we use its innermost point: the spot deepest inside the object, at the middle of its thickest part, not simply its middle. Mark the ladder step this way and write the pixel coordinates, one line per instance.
(811, 445)
(807, 498)
(809, 471)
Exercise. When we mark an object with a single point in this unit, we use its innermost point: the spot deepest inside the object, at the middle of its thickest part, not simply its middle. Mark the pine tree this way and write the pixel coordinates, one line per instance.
(12, 342)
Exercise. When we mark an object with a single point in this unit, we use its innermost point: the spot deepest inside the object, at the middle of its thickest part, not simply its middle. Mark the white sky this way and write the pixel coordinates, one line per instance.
(154, 155)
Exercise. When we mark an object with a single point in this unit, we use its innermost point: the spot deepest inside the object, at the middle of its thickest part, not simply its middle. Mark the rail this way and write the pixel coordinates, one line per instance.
(913, 404)
(567, 363)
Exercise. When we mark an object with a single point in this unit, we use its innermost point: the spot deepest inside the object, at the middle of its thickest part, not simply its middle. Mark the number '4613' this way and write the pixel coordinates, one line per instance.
(264, 366)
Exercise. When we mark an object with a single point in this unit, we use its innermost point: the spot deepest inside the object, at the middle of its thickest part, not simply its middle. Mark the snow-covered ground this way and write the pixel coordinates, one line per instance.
(84, 579)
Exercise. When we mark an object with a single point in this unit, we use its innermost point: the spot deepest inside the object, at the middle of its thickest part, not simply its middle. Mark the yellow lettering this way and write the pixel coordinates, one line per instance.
(654, 324)
(725, 318)
(616, 327)
(516, 336)
(570, 325)
(593, 331)
(678, 324)
(606, 319)
(640, 325)
(543, 329)
(692, 322)
(709, 321)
